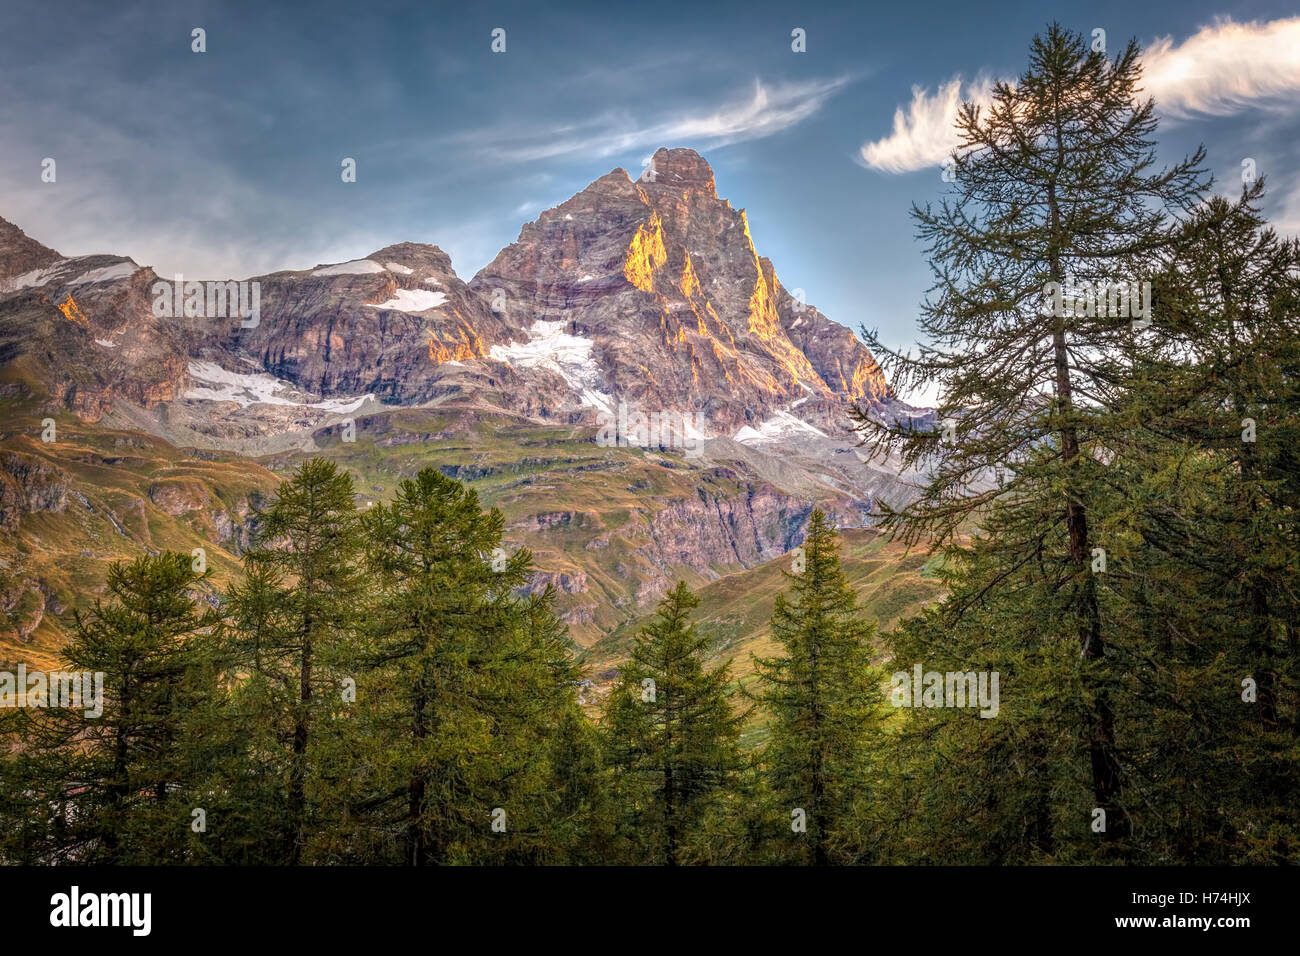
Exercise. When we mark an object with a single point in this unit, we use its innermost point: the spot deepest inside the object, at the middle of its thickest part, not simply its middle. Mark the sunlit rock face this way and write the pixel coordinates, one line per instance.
(661, 275)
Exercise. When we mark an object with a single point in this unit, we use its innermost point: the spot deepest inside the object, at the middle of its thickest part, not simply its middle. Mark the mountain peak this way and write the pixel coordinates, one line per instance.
(417, 254)
(20, 253)
(680, 168)
(651, 293)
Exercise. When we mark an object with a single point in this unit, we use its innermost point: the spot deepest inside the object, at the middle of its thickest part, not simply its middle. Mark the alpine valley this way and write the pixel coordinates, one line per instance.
(123, 430)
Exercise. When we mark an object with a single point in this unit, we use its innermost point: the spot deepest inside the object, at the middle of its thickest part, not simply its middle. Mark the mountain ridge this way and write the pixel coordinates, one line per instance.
(665, 301)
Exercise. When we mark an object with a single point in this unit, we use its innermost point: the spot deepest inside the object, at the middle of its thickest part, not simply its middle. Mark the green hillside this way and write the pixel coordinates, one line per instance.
(610, 528)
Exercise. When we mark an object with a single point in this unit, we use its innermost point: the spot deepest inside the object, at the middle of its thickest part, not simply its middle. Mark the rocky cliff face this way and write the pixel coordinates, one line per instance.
(81, 332)
(29, 485)
(391, 325)
(19, 253)
(721, 530)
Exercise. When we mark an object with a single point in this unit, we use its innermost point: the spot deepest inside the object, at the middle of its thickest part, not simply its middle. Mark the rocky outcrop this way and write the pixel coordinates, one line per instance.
(22, 602)
(552, 520)
(230, 526)
(95, 314)
(20, 254)
(722, 530)
(29, 484)
(178, 496)
(392, 325)
(564, 582)
(234, 529)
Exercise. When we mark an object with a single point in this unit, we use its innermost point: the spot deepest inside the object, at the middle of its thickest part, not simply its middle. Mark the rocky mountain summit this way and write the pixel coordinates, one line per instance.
(660, 281)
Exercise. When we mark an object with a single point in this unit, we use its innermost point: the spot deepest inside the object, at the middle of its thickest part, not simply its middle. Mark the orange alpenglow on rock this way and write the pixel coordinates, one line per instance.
(645, 254)
(690, 285)
(73, 314)
(461, 351)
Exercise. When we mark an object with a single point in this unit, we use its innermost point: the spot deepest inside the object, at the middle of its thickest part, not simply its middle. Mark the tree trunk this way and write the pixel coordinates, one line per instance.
(416, 848)
(1101, 725)
(298, 773)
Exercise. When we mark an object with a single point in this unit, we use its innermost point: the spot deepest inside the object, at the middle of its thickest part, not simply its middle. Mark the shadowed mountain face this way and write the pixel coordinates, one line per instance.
(19, 253)
(631, 298)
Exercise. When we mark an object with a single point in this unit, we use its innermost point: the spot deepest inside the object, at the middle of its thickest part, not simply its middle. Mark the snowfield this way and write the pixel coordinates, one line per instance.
(220, 385)
(411, 300)
(120, 270)
(779, 427)
(569, 356)
(41, 277)
(357, 267)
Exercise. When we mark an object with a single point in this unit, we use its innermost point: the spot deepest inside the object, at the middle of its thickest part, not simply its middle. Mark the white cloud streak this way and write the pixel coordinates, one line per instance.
(925, 134)
(1224, 68)
(769, 110)
(1221, 69)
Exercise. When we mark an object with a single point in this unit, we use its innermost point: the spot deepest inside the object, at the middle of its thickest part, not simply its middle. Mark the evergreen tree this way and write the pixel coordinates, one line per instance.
(582, 823)
(111, 788)
(1054, 188)
(670, 738)
(465, 686)
(1217, 407)
(1235, 314)
(292, 625)
(823, 697)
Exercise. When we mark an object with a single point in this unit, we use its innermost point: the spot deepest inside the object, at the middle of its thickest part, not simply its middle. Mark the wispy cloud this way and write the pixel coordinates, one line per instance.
(925, 134)
(769, 110)
(1221, 69)
(1224, 68)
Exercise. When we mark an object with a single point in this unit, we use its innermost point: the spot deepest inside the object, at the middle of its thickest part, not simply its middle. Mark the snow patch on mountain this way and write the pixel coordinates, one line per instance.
(221, 385)
(782, 426)
(120, 270)
(569, 356)
(33, 279)
(42, 277)
(356, 267)
(411, 300)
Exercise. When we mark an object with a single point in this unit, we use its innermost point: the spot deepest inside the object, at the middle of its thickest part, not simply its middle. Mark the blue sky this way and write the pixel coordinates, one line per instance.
(227, 163)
